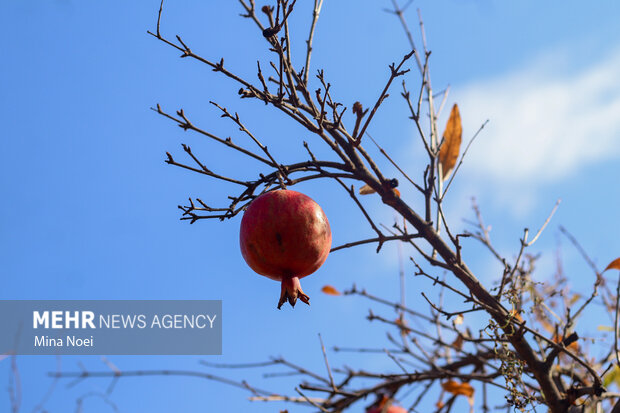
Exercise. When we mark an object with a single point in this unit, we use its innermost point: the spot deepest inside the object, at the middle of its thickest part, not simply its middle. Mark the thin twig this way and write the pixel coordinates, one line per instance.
(394, 73)
(318, 4)
(329, 371)
(377, 239)
(544, 225)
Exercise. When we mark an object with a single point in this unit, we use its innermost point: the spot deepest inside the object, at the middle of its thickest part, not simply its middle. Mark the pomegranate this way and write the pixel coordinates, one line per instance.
(285, 236)
(390, 409)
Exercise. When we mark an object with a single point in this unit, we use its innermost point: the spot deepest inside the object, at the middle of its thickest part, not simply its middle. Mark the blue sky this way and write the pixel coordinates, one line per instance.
(89, 207)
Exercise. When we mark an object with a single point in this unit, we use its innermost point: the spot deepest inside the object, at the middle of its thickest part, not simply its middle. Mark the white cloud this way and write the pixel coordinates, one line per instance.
(545, 125)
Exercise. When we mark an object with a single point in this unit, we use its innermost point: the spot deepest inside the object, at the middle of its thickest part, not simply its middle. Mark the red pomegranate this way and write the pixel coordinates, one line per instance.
(285, 236)
(391, 409)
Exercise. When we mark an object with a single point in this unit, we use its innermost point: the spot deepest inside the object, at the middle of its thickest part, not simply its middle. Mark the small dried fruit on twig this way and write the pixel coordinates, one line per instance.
(271, 31)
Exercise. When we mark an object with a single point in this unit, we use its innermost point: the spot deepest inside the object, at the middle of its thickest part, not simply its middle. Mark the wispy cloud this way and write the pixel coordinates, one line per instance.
(546, 123)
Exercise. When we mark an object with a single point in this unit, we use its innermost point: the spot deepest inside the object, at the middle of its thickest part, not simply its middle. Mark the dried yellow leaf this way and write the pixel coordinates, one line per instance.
(366, 190)
(458, 320)
(612, 376)
(574, 299)
(329, 290)
(449, 152)
(456, 388)
(614, 265)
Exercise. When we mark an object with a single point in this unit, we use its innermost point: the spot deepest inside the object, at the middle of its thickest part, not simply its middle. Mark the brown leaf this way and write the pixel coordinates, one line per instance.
(402, 323)
(458, 342)
(329, 290)
(366, 190)
(614, 265)
(449, 152)
(456, 388)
